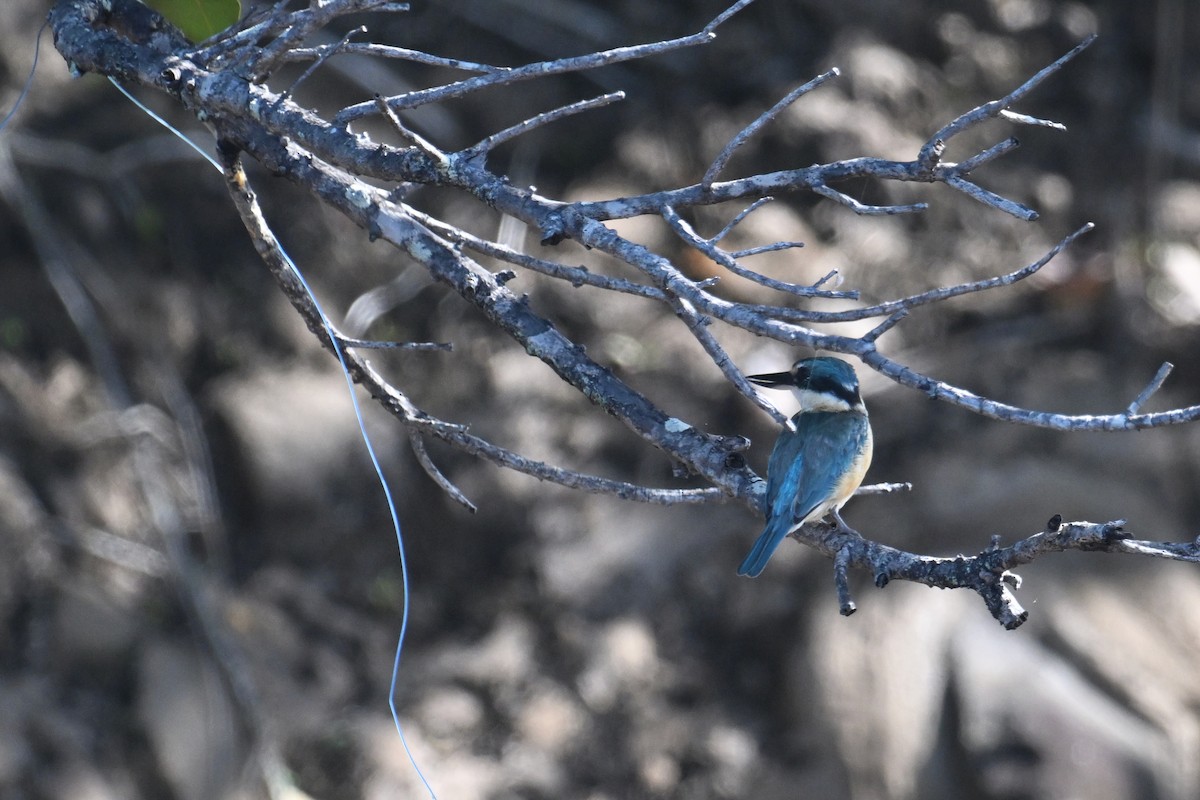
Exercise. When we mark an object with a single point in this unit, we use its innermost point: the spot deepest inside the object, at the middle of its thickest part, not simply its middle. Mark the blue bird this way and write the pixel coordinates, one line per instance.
(815, 468)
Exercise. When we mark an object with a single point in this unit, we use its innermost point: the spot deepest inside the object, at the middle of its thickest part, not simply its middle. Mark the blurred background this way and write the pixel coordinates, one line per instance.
(198, 580)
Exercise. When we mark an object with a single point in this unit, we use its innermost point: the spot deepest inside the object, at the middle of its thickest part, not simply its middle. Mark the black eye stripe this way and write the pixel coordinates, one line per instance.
(826, 385)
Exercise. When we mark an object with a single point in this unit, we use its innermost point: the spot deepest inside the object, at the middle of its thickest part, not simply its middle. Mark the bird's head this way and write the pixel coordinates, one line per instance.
(819, 384)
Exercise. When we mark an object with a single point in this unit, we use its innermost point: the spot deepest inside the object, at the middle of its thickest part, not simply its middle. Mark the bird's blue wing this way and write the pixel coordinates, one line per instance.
(786, 493)
(804, 468)
(826, 446)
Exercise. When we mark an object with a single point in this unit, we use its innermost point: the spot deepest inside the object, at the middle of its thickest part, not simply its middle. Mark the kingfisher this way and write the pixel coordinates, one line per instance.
(814, 469)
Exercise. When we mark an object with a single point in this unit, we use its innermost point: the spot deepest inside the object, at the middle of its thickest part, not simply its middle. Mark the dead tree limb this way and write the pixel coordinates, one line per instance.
(226, 83)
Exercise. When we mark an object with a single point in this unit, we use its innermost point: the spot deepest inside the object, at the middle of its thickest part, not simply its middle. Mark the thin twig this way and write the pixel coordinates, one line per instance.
(431, 469)
(990, 154)
(863, 209)
(929, 154)
(726, 260)
(1025, 119)
(304, 22)
(536, 70)
(699, 327)
(883, 327)
(388, 51)
(754, 127)
(371, 344)
(883, 488)
(841, 563)
(576, 276)
(741, 215)
(977, 192)
(924, 298)
(827, 277)
(327, 52)
(421, 143)
(766, 248)
(254, 28)
(485, 146)
(992, 409)
(726, 14)
(1155, 384)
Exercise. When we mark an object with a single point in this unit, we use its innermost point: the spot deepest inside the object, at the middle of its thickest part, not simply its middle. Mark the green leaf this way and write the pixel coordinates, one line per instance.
(198, 19)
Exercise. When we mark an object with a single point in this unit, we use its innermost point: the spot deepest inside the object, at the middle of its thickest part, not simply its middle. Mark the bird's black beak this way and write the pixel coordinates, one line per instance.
(773, 380)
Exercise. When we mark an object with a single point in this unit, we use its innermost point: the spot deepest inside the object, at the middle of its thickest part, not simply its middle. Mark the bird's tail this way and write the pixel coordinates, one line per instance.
(764, 547)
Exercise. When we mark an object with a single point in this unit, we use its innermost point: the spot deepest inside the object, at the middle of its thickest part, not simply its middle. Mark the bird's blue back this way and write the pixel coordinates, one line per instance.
(804, 471)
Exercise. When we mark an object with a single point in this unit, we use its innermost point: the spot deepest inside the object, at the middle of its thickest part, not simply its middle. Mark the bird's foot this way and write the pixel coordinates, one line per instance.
(841, 524)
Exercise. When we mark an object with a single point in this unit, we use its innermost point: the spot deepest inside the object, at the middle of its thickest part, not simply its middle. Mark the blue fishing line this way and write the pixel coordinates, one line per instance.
(362, 428)
(207, 156)
(37, 49)
(391, 503)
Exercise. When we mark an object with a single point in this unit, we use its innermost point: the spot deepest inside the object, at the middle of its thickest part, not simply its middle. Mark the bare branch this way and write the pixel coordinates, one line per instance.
(699, 328)
(253, 28)
(992, 199)
(987, 573)
(326, 53)
(827, 277)
(1175, 551)
(1025, 119)
(538, 70)
(536, 335)
(1041, 419)
(325, 158)
(990, 154)
(366, 344)
(424, 146)
(884, 488)
(431, 469)
(924, 298)
(767, 248)
(885, 326)
(576, 276)
(841, 564)
(741, 215)
(754, 127)
(865, 210)
(388, 51)
(726, 14)
(727, 260)
(485, 146)
(1155, 384)
(303, 23)
(930, 152)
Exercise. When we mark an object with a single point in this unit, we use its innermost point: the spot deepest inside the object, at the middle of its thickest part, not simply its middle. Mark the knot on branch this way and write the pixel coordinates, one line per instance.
(729, 449)
(1101, 538)
(553, 230)
(930, 158)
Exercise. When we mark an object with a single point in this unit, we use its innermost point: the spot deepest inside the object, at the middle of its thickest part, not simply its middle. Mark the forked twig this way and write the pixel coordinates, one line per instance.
(539, 70)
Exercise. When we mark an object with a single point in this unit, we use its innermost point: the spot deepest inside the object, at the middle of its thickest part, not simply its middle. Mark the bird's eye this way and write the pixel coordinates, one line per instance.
(801, 374)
